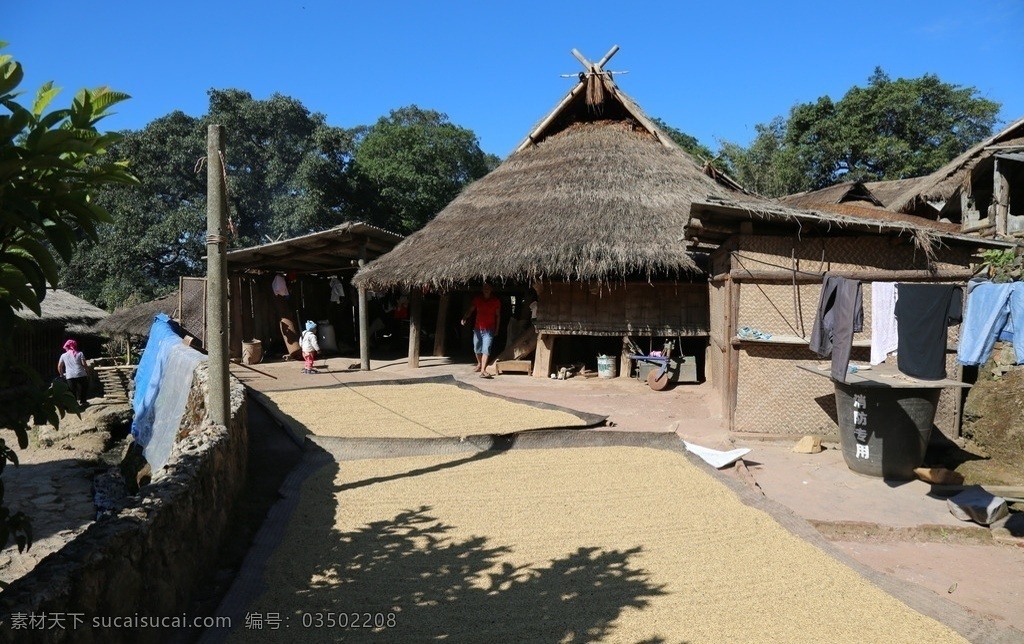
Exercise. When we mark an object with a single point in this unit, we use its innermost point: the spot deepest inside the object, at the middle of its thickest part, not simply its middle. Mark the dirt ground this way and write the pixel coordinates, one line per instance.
(965, 565)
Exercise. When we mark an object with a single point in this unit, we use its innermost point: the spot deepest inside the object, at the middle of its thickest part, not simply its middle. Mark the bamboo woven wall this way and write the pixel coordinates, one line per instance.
(772, 395)
(821, 254)
(635, 308)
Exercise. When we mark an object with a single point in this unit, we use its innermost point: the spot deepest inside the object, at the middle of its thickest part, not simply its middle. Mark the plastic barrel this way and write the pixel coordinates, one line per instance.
(606, 366)
(884, 431)
(326, 337)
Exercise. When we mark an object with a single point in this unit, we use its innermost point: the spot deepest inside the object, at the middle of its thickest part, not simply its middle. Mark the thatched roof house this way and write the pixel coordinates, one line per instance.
(767, 262)
(70, 313)
(590, 206)
(62, 316)
(982, 189)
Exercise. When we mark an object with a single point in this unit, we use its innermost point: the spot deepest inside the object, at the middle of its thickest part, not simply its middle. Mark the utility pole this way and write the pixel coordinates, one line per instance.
(216, 276)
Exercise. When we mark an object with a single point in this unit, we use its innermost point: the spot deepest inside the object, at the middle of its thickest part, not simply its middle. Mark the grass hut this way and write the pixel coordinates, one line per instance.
(589, 211)
(767, 262)
(63, 316)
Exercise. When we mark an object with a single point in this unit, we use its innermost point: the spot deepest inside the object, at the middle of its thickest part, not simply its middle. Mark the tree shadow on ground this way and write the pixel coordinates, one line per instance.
(409, 574)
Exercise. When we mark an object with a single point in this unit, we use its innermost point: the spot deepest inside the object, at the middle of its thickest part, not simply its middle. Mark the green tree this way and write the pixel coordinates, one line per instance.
(886, 130)
(287, 169)
(765, 167)
(159, 230)
(47, 187)
(286, 176)
(410, 164)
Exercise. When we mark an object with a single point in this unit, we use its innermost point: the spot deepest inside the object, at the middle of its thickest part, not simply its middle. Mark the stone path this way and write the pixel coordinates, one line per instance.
(53, 483)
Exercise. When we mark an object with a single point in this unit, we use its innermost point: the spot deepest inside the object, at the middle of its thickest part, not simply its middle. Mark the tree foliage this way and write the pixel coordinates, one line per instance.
(50, 170)
(289, 174)
(286, 176)
(410, 164)
(286, 167)
(158, 231)
(886, 130)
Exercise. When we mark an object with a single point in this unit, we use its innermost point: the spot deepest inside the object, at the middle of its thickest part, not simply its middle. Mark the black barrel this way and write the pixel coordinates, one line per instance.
(884, 431)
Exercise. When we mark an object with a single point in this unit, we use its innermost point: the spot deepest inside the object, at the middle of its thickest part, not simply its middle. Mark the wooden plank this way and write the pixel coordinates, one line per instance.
(442, 324)
(513, 366)
(625, 364)
(1008, 492)
(545, 348)
(733, 355)
(1001, 195)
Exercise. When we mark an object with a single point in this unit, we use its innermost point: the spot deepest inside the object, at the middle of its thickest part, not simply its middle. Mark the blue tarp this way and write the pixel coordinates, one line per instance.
(162, 383)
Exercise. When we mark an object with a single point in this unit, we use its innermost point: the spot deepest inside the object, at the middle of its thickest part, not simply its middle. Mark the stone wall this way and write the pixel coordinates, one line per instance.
(142, 563)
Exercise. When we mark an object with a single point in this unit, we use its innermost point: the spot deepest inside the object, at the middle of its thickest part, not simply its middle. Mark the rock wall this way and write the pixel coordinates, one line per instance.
(137, 569)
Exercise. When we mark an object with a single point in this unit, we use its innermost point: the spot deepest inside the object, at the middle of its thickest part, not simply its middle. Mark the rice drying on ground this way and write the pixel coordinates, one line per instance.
(422, 410)
(601, 544)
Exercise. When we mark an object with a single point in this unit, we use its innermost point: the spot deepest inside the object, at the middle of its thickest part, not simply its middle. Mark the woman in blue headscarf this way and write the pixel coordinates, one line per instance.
(71, 367)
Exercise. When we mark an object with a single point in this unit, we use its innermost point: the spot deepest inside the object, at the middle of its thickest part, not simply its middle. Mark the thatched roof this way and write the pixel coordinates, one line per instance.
(715, 220)
(137, 320)
(852, 191)
(887, 191)
(329, 250)
(595, 192)
(61, 307)
(944, 182)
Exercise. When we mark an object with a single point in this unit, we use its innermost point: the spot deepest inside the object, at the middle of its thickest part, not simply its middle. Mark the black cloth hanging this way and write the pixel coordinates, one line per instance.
(923, 311)
(840, 315)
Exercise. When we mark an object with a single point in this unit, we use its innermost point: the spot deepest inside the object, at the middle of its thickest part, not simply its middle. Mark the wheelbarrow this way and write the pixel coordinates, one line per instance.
(660, 378)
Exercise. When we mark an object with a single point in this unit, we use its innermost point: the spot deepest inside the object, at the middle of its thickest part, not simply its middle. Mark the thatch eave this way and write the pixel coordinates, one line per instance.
(137, 320)
(713, 221)
(63, 308)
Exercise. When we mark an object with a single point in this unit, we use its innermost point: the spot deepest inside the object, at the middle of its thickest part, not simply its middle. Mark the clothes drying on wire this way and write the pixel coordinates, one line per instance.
(337, 290)
(993, 312)
(840, 315)
(923, 312)
(884, 333)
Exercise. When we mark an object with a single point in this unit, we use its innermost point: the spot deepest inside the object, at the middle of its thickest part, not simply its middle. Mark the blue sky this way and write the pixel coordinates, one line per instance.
(712, 69)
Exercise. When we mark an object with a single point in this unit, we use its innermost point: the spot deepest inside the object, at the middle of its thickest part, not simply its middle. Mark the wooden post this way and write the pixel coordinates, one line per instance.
(624, 362)
(1001, 196)
(216, 274)
(441, 330)
(732, 355)
(235, 308)
(415, 313)
(542, 362)
(364, 325)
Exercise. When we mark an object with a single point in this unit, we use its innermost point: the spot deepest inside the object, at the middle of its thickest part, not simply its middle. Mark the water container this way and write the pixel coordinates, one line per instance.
(325, 336)
(606, 366)
(884, 431)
